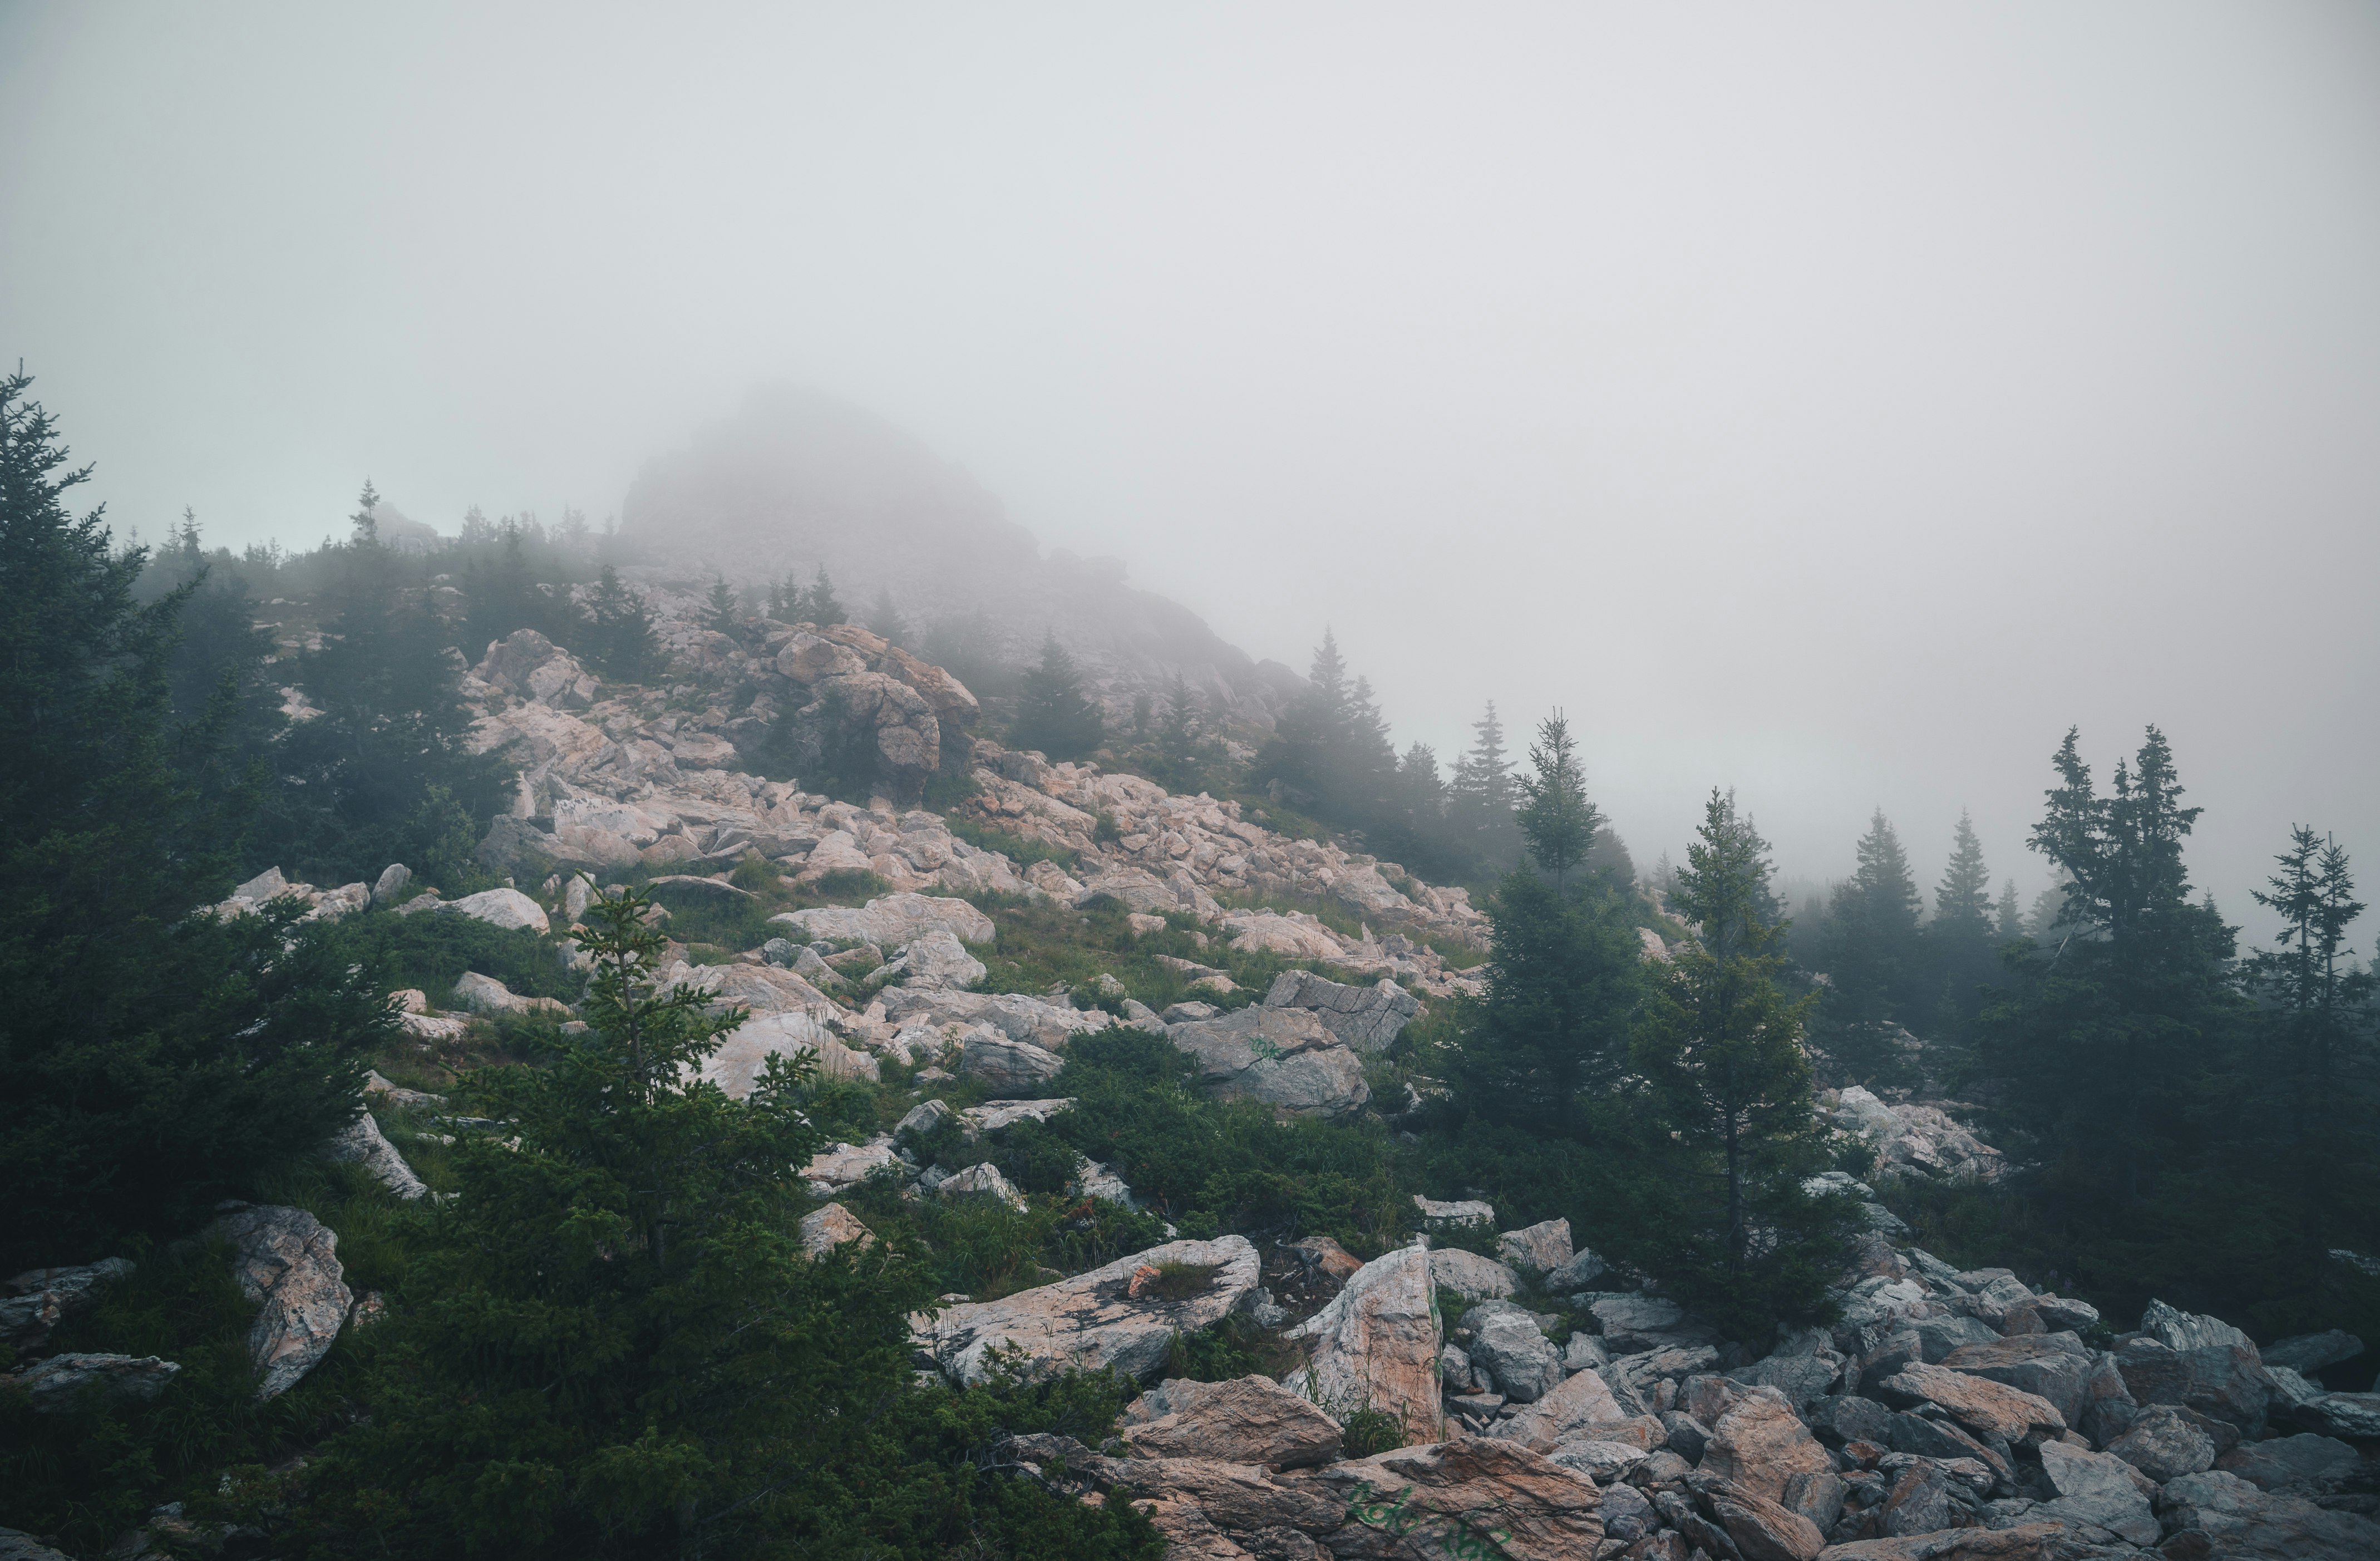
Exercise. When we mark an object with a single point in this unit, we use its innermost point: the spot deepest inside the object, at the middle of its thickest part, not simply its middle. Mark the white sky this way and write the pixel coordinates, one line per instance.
(1834, 401)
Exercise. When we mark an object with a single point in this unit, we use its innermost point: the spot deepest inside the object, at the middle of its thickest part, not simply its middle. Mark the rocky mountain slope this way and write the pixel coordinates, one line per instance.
(1474, 1392)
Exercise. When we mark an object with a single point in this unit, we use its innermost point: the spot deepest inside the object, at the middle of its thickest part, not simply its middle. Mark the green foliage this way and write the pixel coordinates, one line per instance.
(1563, 987)
(620, 639)
(1052, 715)
(431, 952)
(1556, 818)
(1024, 852)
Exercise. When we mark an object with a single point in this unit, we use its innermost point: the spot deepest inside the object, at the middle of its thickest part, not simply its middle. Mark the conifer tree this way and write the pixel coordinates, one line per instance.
(621, 634)
(1556, 817)
(1481, 796)
(1962, 901)
(787, 602)
(1177, 729)
(824, 607)
(2010, 918)
(884, 619)
(1720, 1048)
(1052, 715)
(719, 613)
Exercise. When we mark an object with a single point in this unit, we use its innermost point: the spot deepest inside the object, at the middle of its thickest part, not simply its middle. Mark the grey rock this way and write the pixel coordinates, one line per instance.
(1946, 1440)
(924, 1120)
(1583, 1353)
(286, 1261)
(2309, 1353)
(1938, 1336)
(822, 1230)
(1803, 1379)
(2053, 1366)
(1627, 1515)
(361, 1143)
(937, 958)
(1849, 1417)
(1280, 1057)
(1688, 1436)
(1470, 1276)
(1188, 1013)
(508, 908)
(43, 1298)
(2240, 1521)
(2189, 1330)
(1091, 1322)
(983, 1180)
(2223, 1380)
(58, 1383)
(17, 1545)
(2099, 1489)
(1006, 1067)
(1367, 1017)
(1507, 1341)
(2165, 1443)
(2060, 1312)
(1583, 1269)
(394, 880)
(2355, 1415)
(2301, 1464)
(1455, 1369)
(1097, 1180)
(1543, 1247)
(1248, 1421)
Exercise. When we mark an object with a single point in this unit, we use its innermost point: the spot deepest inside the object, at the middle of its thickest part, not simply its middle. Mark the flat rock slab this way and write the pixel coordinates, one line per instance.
(1986, 1407)
(1251, 1420)
(1470, 1276)
(894, 918)
(1367, 1017)
(360, 1142)
(286, 1260)
(1575, 1410)
(1460, 1497)
(2242, 1521)
(60, 1383)
(1280, 1057)
(1090, 1321)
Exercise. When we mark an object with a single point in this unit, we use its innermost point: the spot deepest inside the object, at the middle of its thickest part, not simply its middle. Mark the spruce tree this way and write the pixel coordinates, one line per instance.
(1052, 715)
(1556, 817)
(621, 633)
(2010, 922)
(1962, 901)
(720, 612)
(1719, 1047)
(884, 619)
(1563, 979)
(823, 606)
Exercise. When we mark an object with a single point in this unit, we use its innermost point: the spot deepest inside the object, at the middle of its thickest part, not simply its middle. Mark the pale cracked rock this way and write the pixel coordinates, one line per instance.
(743, 1053)
(287, 1263)
(42, 1297)
(891, 920)
(1506, 1343)
(1571, 1412)
(1089, 1322)
(2099, 1489)
(1470, 1276)
(1376, 1344)
(499, 907)
(840, 1166)
(822, 1230)
(2239, 1521)
(983, 1180)
(1279, 1057)
(361, 1143)
(1367, 1017)
(1988, 1409)
(1251, 1420)
(1759, 1445)
(1004, 1066)
(1543, 1247)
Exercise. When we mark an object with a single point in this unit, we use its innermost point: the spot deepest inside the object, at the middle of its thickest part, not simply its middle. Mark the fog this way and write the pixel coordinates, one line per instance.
(1832, 402)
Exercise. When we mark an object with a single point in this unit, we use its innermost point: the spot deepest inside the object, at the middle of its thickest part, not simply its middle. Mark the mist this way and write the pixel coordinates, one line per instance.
(1835, 405)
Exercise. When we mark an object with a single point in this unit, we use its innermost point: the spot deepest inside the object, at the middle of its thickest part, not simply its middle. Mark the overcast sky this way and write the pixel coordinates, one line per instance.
(1834, 401)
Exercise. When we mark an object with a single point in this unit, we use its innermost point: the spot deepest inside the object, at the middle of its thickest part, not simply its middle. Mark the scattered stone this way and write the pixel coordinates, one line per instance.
(2309, 1353)
(1467, 1211)
(394, 879)
(1251, 1420)
(1984, 1407)
(485, 994)
(1442, 1494)
(1281, 1057)
(360, 1142)
(1006, 1067)
(286, 1261)
(822, 1230)
(1470, 1276)
(1543, 1247)
(1580, 1409)
(841, 1166)
(1007, 1114)
(1089, 1321)
(508, 908)
(2299, 1464)
(59, 1383)
(891, 920)
(2164, 1445)
(1759, 1445)
(2343, 1414)
(2099, 1489)
(2239, 1521)
(40, 1299)
(1583, 1269)
(985, 1180)
(1506, 1343)
(925, 1119)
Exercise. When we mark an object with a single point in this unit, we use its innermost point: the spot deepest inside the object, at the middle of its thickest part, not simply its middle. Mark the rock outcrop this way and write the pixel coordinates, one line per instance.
(1281, 1057)
(1374, 1345)
(1094, 1321)
(286, 1261)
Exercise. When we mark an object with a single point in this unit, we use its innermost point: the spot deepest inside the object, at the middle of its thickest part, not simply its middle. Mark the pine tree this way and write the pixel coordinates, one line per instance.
(787, 602)
(1962, 901)
(1052, 715)
(1871, 946)
(884, 619)
(1563, 981)
(2011, 925)
(621, 633)
(824, 607)
(719, 613)
(1556, 817)
(1721, 1049)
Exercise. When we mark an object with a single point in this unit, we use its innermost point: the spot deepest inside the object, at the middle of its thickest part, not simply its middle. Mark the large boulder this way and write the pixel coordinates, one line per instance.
(60, 1383)
(2058, 1367)
(935, 959)
(2222, 1379)
(823, 1231)
(841, 1165)
(1039, 1021)
(1093, 1322)
(744, 1051)
(360, 1142)
(508, 908)
(1376, 1344)
(1281, 1057)
(2342, 1414)
(1470, 1276)
(2243, 1523)
(2299, 1464)
(1543, 1247)
(1506, 1343)
(286, 1261)
(891, 920)
(1759, 1445)
(2309, 1353)
(1367, 1017)
(1984, 1408)
(2098, 1489)
(1249, 1420)
(1571, 1412)
(1458, 1498)
(1004, 1066)
(40, 1299)
(2165, 1443)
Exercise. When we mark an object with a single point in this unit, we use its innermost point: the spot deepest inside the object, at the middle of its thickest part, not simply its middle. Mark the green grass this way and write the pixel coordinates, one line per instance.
(1024, 852)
